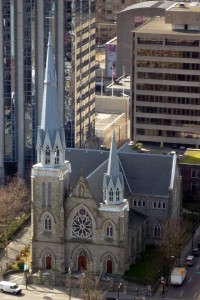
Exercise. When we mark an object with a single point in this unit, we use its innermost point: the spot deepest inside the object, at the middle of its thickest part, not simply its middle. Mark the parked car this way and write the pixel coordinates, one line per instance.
(9, 287)
(190, 260)
(196, 251)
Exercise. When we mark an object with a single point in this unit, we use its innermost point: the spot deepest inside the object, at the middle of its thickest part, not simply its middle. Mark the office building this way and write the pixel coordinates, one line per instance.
(165, 100)
(129, 18)
(23, 42)
(106, 17)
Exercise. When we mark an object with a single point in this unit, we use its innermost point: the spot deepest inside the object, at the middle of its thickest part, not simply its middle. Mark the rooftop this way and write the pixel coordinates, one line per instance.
(158, 26)
(183, 6)
(191, 156)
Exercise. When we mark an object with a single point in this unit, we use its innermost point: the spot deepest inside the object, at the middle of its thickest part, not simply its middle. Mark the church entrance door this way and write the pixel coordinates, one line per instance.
(109, 266)
(48, 262)
(82, 261)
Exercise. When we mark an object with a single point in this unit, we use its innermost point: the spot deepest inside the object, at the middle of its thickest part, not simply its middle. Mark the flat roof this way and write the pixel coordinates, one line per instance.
(103, 121)
(185, 6)
(120, 83)
(191, 156)
(157, 25)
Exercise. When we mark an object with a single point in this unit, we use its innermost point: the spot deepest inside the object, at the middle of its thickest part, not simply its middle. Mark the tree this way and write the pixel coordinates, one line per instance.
(90, 284)
(14, 201)
(173, 236)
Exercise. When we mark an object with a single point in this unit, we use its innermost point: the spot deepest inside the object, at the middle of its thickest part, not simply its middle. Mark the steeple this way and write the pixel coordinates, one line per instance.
(113, 184)
(51, 138)
(50, 119)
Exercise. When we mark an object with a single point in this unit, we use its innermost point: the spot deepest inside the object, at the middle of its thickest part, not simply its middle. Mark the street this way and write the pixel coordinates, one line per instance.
(33, 295)
(190, 288)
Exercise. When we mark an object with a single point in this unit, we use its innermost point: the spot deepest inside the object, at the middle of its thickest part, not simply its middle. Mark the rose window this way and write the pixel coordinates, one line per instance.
(82, 224)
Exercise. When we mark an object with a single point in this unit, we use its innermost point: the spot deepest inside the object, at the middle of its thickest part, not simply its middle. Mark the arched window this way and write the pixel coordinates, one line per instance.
(117, 195)
(57, 157)
(157, 230)
(143, 203)
(139, 203)
(43, 194)
(158, 204)
(81, 190)
(47, 155)
(47, 223)
(49, 194)
(135, 203)
(111, 195)
(163, 205)
(109, 230)
(82, 224)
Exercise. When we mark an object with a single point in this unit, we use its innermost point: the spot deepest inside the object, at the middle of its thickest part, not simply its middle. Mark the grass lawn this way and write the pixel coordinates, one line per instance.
(146, 270)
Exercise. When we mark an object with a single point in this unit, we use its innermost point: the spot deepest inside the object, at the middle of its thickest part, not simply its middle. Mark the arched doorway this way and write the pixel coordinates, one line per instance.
(109, 265)
(82, 261)
(48, 262)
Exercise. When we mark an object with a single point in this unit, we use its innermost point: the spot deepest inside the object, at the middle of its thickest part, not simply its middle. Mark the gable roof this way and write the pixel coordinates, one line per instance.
(144, 174)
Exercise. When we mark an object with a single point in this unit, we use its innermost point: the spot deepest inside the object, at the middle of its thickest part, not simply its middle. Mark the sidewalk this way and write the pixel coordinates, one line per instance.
(18, 244)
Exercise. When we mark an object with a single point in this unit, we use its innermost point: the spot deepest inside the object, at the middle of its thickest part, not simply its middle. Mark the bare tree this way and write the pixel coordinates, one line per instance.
(173, 236)
(90, 284)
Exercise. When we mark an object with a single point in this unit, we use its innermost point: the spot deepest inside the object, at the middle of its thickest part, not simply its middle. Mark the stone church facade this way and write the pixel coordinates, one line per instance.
(91, 205)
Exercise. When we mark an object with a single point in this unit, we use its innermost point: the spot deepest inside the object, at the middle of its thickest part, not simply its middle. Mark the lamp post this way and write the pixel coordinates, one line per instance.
(25, 268)
(118, 289)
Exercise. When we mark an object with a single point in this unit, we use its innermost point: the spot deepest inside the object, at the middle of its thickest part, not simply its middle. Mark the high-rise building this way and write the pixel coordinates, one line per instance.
(23, 42)
(165, 106)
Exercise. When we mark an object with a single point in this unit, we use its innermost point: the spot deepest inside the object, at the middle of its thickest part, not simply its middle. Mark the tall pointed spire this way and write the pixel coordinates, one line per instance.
(113, 184)
(50, 119)
(113, 164)
(51, 136)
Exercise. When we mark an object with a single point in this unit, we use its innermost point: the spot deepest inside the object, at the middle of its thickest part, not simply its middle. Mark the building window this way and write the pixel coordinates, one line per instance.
(143, 203)
(49, 194)
(43, 194)
(47, 223)
(109, 230)
(117, 195)
(157, 230)
(193, 173)
(82, 225)
(163, 205)
(154, 204)
(47, 155)
(135, 203)
(111, 195)
(57, 156)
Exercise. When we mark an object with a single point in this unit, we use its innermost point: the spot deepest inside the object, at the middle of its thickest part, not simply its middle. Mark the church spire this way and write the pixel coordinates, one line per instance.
(113, 184)
(113, 164)
(51, 137)
(50, 119)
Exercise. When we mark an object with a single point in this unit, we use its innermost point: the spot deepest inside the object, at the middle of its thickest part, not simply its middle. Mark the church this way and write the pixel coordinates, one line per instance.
(94, 206)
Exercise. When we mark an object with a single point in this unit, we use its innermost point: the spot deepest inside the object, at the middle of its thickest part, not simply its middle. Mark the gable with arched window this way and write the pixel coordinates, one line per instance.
(109, 230)
(111, 195)
(157, 230)
(48, 223)
(81, 190)
(43, 194)
(49, 194)
(47, 155)
(57, 156)
(117, 195)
